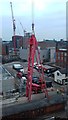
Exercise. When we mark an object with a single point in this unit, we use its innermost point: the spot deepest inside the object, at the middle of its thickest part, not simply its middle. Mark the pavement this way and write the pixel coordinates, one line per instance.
(34, 97)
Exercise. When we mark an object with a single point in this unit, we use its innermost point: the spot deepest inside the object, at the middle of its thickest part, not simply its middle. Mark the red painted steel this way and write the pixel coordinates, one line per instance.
(33, 48)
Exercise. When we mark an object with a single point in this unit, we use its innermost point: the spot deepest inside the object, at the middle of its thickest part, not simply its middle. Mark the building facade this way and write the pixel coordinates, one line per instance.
(5, 48)
(61, 57)
(26, 40)
(17, 41)
(67, 32)
(67, 20)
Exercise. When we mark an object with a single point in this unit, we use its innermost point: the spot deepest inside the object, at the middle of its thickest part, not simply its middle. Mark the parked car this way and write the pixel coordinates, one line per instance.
(18, 67)
(35, 80)
(21, 74)
(49, 84)
(23, 80)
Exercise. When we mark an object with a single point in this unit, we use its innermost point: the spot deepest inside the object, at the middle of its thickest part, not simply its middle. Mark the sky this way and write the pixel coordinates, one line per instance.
(49, 17)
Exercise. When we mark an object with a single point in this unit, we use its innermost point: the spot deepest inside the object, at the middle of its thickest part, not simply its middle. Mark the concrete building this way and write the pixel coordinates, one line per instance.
(52, 54)
(43, 54)
(26, 40)
(23, 54)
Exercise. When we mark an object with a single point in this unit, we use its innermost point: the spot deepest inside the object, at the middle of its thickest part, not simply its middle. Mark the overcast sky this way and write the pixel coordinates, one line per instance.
(49, 18)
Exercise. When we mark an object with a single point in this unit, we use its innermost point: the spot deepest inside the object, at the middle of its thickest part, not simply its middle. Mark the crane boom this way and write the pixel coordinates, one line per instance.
(24, 31)
(14, 27)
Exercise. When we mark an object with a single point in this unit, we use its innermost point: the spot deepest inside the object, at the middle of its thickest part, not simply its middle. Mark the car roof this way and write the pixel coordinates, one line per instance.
(17, 65)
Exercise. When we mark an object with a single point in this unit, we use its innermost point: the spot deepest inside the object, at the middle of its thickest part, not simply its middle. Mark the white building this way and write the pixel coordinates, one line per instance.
(60, 76)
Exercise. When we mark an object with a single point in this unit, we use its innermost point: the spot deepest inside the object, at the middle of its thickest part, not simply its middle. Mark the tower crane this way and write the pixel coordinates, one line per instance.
(14, 28)
(13, 20)
(24, 31)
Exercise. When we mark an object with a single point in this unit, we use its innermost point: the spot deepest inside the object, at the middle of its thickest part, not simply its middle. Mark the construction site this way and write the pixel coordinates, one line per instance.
(33, 88)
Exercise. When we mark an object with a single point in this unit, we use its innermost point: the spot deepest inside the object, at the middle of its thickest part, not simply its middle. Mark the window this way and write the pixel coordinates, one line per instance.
(58, 55)
(61, 54)
(66, 80)
(58, 73)
(65, 54)
(65, 59)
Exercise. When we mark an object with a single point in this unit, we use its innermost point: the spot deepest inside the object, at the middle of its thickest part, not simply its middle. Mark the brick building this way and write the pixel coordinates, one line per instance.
(5, 48)
(61, 57)
(47, 44)
(17, 41)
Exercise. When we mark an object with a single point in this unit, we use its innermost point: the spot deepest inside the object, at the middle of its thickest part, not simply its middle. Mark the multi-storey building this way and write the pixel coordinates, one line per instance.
(61, 57)
(5, 48)
(17, 41)
(47, 43)
(21, 41)
(26, 40)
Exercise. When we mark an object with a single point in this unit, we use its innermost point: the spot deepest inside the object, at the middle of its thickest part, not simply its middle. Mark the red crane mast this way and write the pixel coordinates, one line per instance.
(33, 48)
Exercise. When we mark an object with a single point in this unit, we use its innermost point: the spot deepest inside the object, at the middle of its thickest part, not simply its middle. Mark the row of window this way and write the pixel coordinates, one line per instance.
(62, 56)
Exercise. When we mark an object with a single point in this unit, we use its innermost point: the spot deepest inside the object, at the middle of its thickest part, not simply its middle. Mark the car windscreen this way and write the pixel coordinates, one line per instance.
(18, 66)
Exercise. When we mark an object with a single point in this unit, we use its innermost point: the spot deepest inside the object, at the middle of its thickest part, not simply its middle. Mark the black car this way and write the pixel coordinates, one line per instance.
(49, 84)
(35, 80)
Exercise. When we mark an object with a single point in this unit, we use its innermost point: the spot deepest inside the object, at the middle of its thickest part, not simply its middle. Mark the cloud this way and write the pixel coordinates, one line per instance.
(46, 12)
(24, 7)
